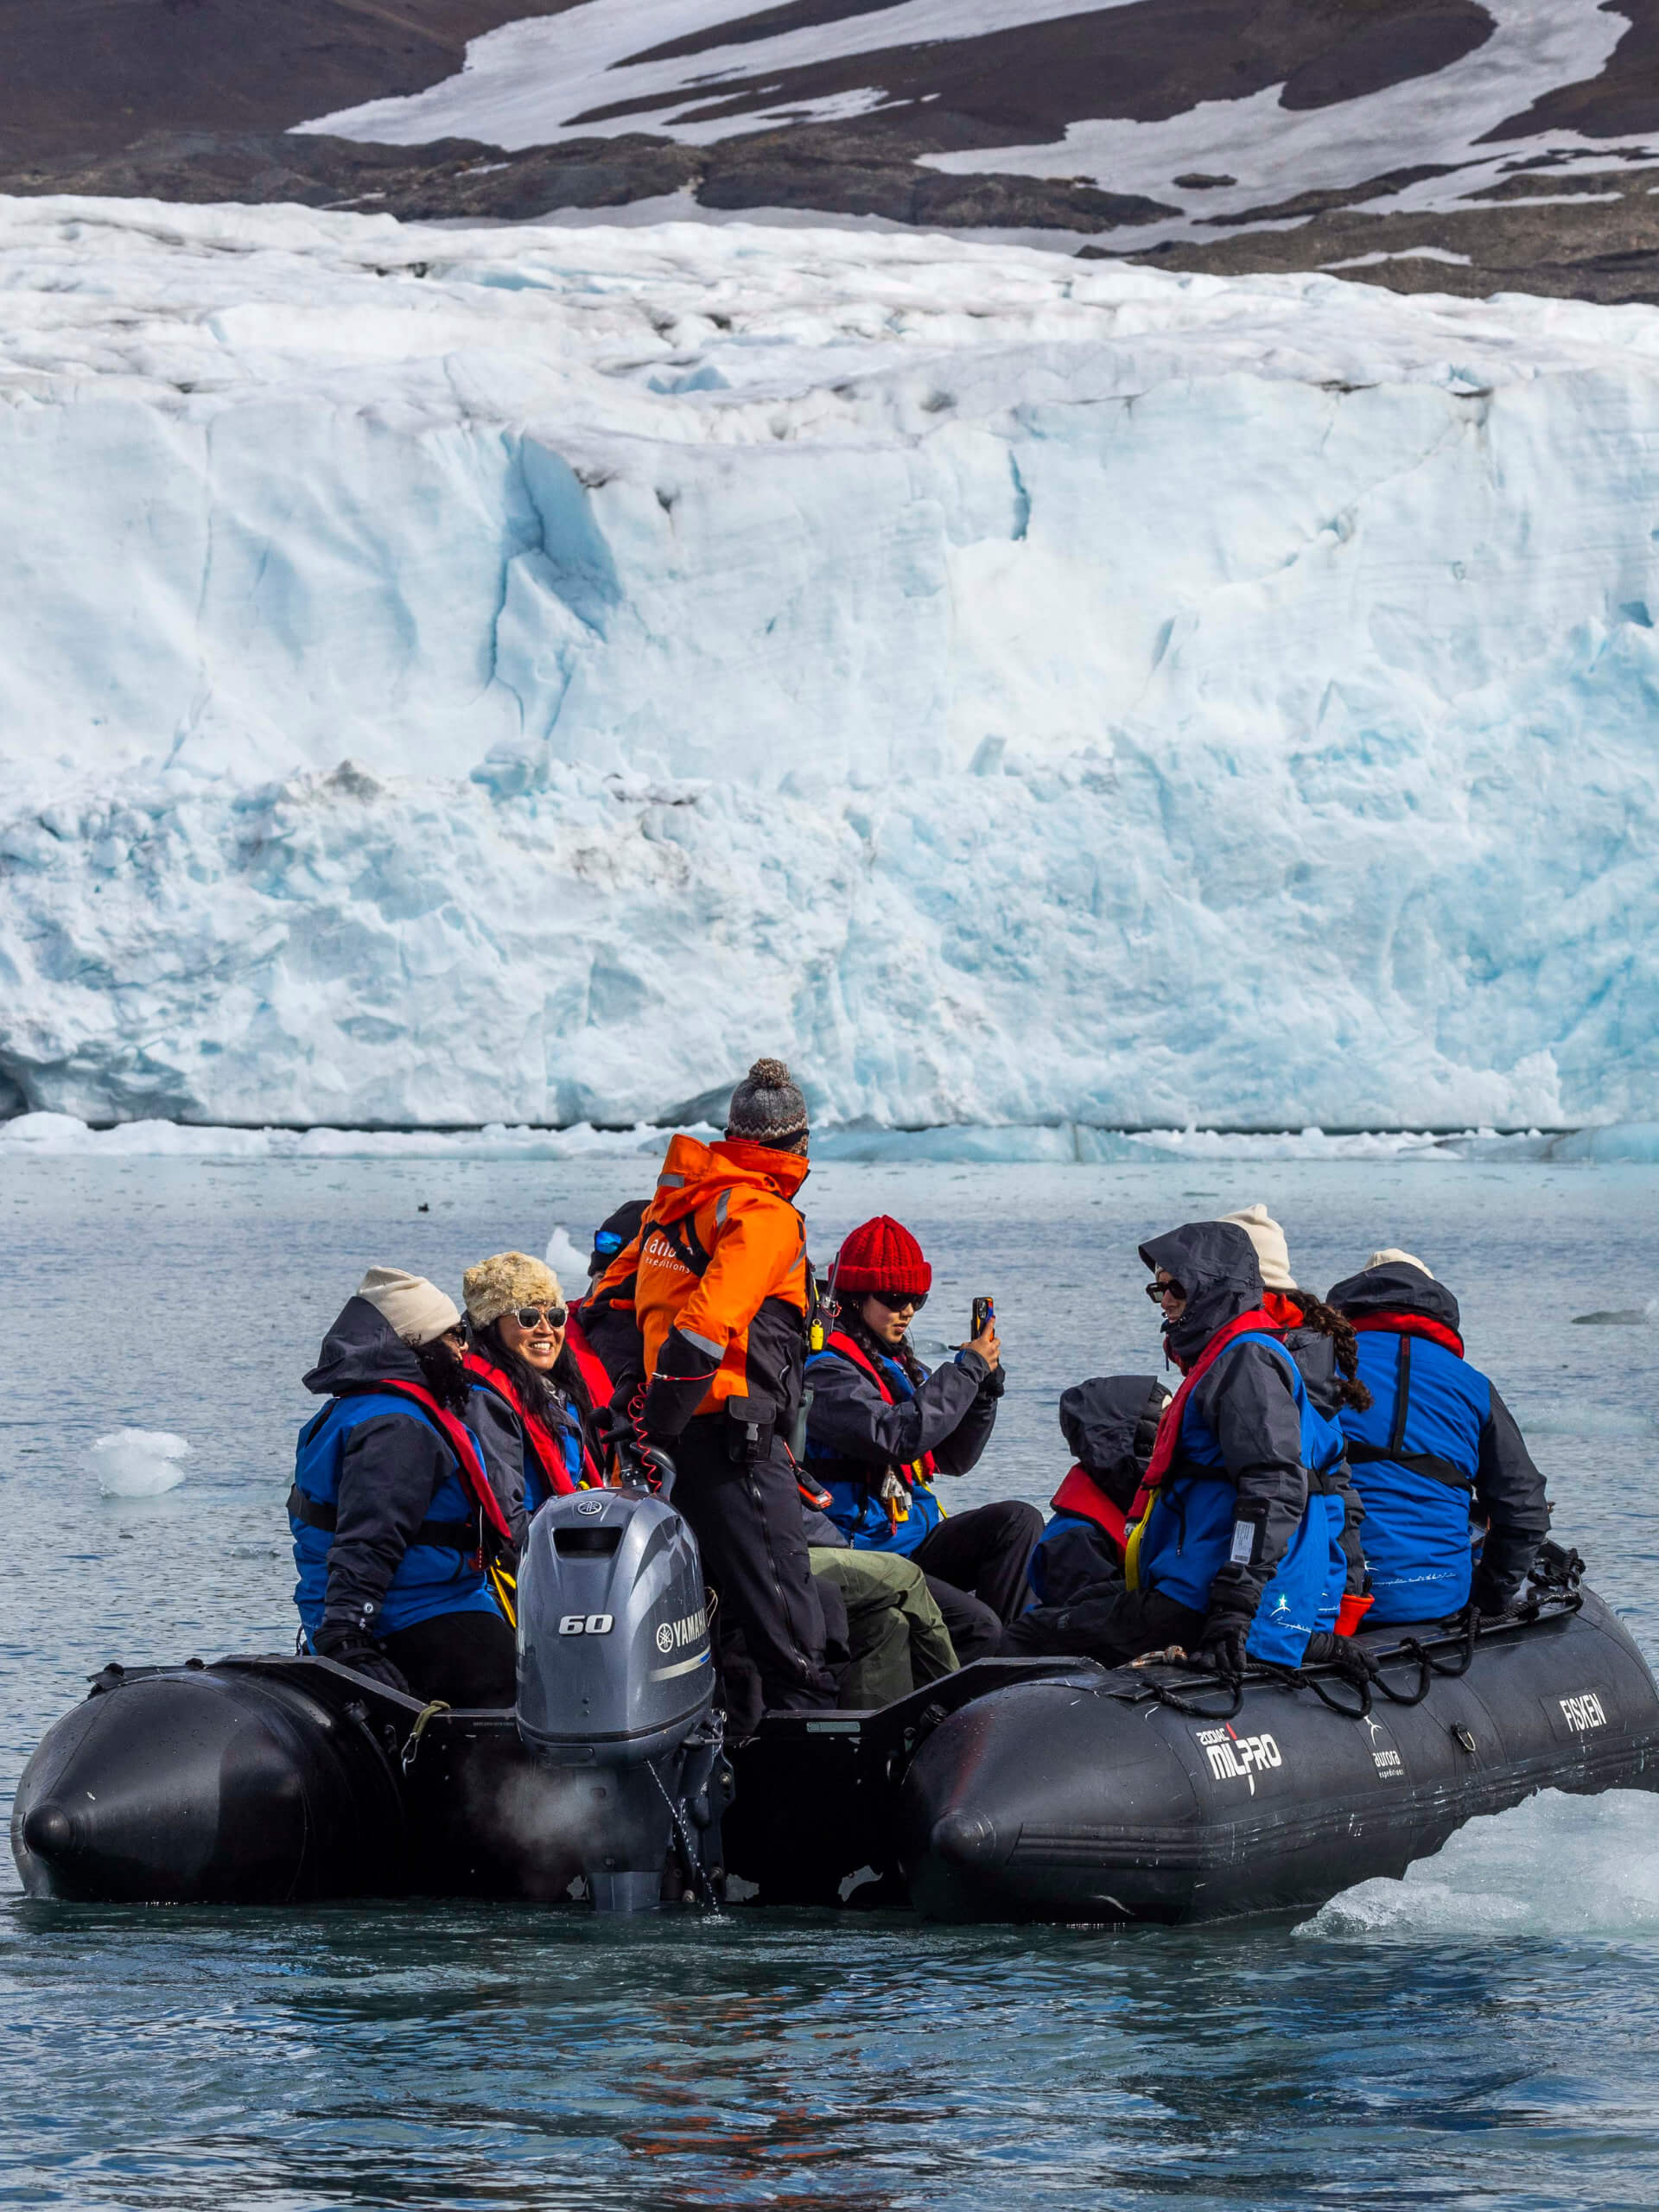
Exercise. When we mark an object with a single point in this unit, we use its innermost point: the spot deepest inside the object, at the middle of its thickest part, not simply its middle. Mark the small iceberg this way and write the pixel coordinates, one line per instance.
(139, 1462)
(568, 1261)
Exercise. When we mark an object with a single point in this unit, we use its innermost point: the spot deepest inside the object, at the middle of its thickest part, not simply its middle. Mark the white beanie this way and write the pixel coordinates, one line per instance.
(417, 1309)
(1271, 1249)
(1392, 1252)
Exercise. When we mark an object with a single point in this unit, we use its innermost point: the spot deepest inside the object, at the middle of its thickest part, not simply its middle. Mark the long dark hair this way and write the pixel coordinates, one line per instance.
(539, 1393)
(1326, 1321)
(445, 1378)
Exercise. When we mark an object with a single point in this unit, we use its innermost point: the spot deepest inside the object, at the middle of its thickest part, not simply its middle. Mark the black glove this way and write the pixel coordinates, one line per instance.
(1340, 1652)
(1221, 1645)
(349, 1647)
(684, 1372)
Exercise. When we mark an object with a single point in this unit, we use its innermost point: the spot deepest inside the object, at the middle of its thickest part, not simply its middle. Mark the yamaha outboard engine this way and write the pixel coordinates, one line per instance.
(616, 1682)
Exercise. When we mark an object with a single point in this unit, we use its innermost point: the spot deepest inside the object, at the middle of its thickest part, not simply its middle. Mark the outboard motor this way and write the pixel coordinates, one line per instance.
(616, 1682)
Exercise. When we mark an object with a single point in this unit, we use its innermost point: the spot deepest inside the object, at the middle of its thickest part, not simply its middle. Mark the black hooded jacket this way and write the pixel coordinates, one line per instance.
(391, 1467)
(1110, 1424)
(1508, 1491)
(1247, 1399)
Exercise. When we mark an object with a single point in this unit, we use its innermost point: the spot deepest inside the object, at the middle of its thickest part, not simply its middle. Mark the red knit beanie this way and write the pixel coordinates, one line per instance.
(881, 1254)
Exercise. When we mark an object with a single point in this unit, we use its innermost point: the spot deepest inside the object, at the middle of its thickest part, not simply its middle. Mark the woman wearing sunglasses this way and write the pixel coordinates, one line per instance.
(529, 1406)
(880, 1428)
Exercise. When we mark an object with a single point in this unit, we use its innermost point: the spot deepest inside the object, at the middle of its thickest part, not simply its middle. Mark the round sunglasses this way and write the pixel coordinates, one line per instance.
(527, 1317)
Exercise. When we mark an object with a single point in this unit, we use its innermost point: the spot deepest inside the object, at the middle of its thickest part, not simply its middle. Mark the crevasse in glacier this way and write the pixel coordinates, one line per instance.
(452, 676)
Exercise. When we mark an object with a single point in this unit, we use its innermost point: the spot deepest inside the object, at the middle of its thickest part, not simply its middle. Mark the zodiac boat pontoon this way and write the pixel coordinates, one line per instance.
(1017, 1789)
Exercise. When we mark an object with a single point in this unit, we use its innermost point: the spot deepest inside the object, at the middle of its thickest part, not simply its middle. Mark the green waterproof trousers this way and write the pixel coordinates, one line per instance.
(895, 1631)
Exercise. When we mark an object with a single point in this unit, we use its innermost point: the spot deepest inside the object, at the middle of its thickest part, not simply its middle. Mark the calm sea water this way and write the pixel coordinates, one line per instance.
(1486, 2035)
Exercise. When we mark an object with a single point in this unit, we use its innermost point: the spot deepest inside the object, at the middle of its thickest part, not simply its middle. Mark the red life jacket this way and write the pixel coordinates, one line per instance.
(838, 1340)
(1255, 1323)
(1412, 1325)
(543, 1442)
(461, 1441)
(588, 1362)
(1081, 1494)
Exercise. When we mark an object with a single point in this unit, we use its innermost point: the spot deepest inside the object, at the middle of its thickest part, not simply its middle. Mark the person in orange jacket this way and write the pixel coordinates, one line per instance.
(715, 1283)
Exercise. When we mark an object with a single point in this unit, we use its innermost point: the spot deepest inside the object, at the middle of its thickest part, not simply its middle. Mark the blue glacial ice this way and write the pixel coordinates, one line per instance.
(514, 676)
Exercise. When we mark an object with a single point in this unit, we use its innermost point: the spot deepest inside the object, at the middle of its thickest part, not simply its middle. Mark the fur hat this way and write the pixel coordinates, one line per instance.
(417, 1309)
(1271, 1250)
(1392, 1252)
(495, 1286)
(767, 1108)
(881, 1254)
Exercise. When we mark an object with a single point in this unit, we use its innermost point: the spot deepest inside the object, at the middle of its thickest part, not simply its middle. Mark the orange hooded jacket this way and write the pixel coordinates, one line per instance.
(716, 1281)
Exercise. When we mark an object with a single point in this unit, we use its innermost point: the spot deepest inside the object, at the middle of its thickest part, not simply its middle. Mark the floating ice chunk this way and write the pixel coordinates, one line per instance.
(139, 1462)
(567, 1261)
(1556, 1866)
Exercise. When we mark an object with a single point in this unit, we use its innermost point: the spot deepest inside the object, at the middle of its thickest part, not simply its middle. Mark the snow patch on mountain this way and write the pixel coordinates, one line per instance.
(607, 67)
(1271, 153)
(463, 677)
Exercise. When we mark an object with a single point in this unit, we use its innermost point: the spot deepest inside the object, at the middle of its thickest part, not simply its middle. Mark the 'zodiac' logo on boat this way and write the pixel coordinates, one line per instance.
(1234, 1757)
(1583, 1712)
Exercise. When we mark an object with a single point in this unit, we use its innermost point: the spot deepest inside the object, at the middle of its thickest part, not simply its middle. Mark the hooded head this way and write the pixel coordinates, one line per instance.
(1214, 1263)
(1392, 1252)
(1272, 1253)
(418, 1309)
(1393, 1282)
(1110, 1424)
(392, 1331)
(614, 1234)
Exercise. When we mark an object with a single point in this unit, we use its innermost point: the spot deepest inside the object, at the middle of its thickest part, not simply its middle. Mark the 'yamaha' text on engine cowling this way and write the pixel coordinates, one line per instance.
(616, 1676)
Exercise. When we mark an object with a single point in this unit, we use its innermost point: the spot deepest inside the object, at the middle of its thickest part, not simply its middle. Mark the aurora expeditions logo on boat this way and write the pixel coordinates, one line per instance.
(1234, 1757)
(1583, 1712)
(674, 1635)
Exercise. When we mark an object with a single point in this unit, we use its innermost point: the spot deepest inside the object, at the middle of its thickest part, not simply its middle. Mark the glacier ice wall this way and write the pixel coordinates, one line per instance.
(451, 676)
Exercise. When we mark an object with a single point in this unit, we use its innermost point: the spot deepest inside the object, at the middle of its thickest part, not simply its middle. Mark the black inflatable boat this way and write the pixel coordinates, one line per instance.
(1015, 1790)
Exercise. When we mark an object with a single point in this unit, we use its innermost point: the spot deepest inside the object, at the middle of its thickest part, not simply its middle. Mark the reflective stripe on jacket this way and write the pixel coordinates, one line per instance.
(720, 1263)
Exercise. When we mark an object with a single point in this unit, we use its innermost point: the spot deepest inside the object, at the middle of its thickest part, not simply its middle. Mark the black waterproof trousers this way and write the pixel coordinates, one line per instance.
(768, 1623)
(464, 1658)
(1111, 1623)
(976, 1565)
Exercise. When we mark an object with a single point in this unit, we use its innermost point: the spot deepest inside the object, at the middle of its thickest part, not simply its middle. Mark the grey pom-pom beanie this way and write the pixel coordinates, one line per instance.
(766, 1106)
